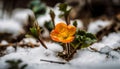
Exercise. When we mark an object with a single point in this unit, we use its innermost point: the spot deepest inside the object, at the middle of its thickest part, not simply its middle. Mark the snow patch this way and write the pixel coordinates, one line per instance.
(97, 25)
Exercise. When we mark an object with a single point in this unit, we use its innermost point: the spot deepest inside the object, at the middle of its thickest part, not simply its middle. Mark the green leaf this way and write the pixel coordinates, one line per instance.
(52, 14)
(37, 7)
(63, 7)
(84, 45)
(16, 64)
(75, 23)
(81, 33)
(85, 39)
(34, 31)
(90, 36)
(28, 36)
(49, 25)
(35, 2)
(75, 45)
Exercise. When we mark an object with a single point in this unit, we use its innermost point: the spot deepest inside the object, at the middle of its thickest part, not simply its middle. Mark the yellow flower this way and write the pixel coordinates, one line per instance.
(63, 33)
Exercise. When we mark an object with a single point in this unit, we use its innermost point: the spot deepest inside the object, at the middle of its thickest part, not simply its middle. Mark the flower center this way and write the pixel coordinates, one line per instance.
(66, 35)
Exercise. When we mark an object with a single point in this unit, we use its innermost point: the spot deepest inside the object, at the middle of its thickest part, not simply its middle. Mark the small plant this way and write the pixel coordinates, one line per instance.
(71, 38)
(68, 35)
(15, 64)
(35, 31)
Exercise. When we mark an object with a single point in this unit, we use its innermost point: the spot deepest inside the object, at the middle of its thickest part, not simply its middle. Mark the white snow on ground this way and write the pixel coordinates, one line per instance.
(112, 41)
(84, 59)
(10, 26)
(21, 16)
(96, 26)
(15, 24)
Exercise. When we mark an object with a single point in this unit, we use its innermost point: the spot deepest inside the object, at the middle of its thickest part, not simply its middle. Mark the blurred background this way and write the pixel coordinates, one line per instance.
(87, 11)
(82, 8)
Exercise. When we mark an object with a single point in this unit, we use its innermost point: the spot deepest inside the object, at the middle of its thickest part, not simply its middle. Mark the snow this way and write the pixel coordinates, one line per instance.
(84, 59)
(21, 15)
(96, 26)
(10, 26)
(29, 40)
(112, 41)
(98, 46)
(14, 25)
(33, 55)
(105, 49)
(114, 54)
(9, 50)
(4, 42)
(54, 47)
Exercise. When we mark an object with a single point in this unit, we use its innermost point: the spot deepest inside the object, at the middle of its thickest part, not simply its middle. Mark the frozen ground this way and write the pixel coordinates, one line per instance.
(84, 59)
(14, 24)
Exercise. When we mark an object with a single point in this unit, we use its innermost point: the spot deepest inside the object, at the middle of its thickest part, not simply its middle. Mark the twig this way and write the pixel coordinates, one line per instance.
(53, 61)
(42, 43)
(95, 50)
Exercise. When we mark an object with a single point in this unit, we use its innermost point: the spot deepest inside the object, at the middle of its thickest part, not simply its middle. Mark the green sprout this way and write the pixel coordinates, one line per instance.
(35, 31)
(16, 64)
(37, 7)
(65, 9)
(83, 39)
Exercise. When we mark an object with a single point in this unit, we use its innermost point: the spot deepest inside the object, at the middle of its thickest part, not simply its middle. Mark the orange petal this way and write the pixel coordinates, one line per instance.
(61, 27)
(71, 30)
(54, 35)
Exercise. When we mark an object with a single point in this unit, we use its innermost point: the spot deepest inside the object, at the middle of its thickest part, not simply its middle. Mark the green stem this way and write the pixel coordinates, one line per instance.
(66, 49)
(73, 52)
(53, 23)
(67, 19)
